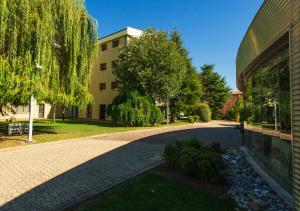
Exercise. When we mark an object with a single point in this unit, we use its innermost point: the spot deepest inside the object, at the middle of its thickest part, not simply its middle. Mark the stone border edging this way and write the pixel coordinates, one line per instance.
(281, 192)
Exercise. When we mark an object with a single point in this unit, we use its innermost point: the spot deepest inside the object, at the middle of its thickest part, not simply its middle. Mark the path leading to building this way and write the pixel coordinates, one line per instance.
(53, 176)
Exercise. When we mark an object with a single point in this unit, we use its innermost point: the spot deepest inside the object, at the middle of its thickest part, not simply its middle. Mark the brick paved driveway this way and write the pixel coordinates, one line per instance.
(54, 176)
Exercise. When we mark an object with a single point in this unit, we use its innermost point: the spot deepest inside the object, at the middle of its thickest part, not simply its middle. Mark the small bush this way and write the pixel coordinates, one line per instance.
(188, 161)
(205, 163)
(196, 118)
(191, 119)
(216, 147)
(172, 154)
(156, 116)
(204, 112)
(210, 167)
(192, 143)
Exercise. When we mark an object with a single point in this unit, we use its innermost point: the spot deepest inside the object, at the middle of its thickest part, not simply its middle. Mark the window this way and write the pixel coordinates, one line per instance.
(114, 85)
(89, 111)
(115, 43)
(103, 67)
(268, 114)
(104, 47)
(102, 86)
(22, 110)
(113, 64)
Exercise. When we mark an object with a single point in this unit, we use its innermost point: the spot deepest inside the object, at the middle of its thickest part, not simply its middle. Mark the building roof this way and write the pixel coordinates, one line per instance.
(271, 22)
(127, 31)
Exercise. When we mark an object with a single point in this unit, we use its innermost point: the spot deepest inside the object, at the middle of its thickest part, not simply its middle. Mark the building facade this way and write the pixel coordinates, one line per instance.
(104, 85)
(40, 111)
(268, 73)
(235, 95)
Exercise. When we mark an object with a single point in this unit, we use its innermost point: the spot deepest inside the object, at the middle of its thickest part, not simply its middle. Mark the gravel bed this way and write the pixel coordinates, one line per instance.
(248, 189)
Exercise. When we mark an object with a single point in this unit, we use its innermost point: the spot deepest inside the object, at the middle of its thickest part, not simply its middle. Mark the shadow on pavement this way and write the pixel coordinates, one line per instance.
(112, 168)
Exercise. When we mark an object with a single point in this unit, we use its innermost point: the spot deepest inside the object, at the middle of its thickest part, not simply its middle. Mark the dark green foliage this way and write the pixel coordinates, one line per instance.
(210, 166)
(188, 161)
(204, 112)
(134, 109)
(172, 154)
(191, 119)
(216, 147)
(156, 116)
(205, 163)
(216, 90)
(191, 89)
(194, 143)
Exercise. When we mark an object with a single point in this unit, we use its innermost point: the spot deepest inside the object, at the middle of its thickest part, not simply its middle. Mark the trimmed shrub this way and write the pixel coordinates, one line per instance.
(188, 161)
(134, 109)
(216, 147)
(205, 163)
(172, 154)
(191, 119)
(210, 167)
(204, 112)
(196, 118)
(192, 143)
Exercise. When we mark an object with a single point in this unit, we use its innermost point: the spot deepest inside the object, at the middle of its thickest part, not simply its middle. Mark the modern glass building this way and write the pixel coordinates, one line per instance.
(268, 73)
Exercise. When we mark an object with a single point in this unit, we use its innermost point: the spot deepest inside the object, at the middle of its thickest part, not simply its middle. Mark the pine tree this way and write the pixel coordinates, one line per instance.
(216, 90)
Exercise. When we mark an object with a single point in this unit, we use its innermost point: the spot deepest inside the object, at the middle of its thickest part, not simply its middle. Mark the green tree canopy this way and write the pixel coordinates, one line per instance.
(57, 35)
(216, 90)
(191, 89)
(152, 65)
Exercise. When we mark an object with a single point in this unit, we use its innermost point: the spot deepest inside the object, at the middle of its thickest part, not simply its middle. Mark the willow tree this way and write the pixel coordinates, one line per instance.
(57, 35)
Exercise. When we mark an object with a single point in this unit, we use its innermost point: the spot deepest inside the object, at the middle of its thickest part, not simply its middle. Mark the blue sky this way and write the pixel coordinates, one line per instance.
(211, 29)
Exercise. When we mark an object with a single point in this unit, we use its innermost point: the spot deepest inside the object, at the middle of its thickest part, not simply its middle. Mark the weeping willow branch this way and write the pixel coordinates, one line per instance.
(60, 36)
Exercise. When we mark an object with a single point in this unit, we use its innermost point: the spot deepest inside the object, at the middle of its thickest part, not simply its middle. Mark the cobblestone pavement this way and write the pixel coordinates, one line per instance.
(53, 176)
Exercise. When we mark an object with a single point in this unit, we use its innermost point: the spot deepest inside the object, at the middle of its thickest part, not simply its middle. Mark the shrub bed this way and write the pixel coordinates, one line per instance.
(191, 158)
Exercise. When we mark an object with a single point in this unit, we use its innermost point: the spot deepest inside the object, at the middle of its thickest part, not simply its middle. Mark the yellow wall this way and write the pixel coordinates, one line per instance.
(106, 96)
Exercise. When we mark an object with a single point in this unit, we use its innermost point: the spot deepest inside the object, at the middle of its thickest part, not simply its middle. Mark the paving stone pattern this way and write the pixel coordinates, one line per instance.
(53, 176)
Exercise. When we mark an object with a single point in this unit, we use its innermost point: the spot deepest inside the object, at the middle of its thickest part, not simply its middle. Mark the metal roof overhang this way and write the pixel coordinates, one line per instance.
(270, 24)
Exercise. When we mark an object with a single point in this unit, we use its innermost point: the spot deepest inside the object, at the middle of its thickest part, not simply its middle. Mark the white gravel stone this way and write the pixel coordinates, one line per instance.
(248, 189)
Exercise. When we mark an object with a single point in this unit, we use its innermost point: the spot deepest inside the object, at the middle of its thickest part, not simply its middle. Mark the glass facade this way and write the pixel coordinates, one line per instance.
(268, 116)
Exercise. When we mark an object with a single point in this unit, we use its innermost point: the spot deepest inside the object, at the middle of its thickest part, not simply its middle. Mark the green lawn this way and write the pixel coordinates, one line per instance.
(157, 191)
(46, 131)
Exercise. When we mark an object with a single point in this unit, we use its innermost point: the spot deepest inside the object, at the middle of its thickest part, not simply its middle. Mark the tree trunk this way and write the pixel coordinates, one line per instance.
(63, 114)
(54, 114)
(168, 111)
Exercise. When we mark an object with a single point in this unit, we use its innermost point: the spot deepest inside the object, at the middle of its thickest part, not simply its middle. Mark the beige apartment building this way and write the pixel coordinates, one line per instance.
(104, 86)
(40, 111)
